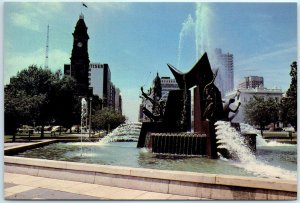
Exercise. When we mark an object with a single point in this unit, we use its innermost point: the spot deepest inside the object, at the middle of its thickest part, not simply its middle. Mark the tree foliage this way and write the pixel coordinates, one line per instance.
(106, 118)
(261, 112)
(64, 103)
(289, 103)
(37, 95)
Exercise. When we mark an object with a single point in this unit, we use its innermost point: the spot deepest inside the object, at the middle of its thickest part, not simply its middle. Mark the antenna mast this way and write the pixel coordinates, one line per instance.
(47, 48)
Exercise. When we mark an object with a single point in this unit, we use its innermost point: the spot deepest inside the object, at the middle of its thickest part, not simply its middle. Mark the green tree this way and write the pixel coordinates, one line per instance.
(19, 108)
(106, 118)
(64, 104)
(262, 112)
(27, 96)
(40, 96)
(289, 102)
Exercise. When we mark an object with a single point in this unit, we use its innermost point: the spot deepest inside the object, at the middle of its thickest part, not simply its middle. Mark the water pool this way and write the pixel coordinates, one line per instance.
(274, 161)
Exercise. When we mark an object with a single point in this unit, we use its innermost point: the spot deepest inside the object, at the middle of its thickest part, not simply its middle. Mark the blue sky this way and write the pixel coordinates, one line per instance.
(139, 39)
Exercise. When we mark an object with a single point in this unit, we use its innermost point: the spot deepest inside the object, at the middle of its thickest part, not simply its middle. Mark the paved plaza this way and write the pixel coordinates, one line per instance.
(26, 187)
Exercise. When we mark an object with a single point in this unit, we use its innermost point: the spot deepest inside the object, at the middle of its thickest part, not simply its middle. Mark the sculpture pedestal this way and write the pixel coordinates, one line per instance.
(207, 128)
(177, 143)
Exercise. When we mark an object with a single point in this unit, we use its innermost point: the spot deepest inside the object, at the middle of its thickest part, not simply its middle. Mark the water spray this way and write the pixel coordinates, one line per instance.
(187, 26)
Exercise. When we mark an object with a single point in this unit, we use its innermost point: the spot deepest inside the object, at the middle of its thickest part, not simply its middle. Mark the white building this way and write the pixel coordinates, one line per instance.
(247, 95)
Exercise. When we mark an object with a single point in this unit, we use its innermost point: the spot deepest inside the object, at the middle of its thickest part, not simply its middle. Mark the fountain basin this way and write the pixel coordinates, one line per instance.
(272, 161)
(211, 186)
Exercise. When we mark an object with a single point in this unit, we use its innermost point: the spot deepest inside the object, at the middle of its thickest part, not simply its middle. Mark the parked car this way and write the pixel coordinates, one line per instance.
(25, 129)
(58, 128)
(289, 129)
(75, 129)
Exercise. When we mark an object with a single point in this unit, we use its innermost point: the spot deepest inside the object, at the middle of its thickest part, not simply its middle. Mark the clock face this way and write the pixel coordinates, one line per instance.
(79, 44)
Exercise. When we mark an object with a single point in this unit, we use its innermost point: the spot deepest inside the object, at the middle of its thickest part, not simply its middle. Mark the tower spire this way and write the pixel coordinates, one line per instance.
(81, 16)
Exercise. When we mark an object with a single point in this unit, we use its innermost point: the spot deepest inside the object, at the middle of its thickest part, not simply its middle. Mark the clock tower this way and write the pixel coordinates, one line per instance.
(79, 67)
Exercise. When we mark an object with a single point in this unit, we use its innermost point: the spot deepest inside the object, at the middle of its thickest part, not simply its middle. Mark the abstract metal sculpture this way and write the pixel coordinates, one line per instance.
(174, 120)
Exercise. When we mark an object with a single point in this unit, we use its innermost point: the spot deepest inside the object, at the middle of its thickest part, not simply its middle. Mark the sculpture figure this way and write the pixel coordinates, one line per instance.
(155, 99)
(154, 116)
(227, 110)
(212, 101)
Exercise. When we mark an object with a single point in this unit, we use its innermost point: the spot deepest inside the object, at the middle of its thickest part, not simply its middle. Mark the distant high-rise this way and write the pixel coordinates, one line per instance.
(251, 82)
(224, 64)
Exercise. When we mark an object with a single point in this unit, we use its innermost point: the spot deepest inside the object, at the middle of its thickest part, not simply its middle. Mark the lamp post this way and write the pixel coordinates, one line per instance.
(90, 117)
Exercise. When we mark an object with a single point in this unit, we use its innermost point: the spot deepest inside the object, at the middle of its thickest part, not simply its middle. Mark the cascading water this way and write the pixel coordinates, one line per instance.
(246, 128)
(124, 132)
(260, 141)
(232, 140)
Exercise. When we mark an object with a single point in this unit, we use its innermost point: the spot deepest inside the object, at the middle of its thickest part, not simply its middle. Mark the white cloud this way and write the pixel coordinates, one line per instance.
(111, 6)
(28, 15)
(47, 9)
(255, 59)
(14, 63)
(25, 21)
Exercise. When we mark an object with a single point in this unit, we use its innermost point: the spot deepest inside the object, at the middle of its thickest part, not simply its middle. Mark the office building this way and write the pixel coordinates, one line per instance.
(251, 82)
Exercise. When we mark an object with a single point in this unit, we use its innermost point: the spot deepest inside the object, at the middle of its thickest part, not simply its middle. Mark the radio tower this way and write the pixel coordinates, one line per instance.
(47, 47)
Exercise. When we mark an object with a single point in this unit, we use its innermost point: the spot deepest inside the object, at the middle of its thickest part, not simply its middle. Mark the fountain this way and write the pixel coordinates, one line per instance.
(167, 143)
(170, 132)
(127, 132)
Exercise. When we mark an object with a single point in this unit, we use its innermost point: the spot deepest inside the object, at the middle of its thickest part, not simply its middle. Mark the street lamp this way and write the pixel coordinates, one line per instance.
(90, 118)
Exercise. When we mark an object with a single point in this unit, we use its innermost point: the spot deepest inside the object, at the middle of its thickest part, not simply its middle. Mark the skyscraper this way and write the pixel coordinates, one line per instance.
(99, 80)
(224, 64)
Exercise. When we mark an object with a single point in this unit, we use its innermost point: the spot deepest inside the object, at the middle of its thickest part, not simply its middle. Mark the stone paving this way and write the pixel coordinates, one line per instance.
(26, 187)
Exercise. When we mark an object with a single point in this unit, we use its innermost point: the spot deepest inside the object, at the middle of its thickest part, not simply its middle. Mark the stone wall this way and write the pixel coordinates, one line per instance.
(212, 186)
